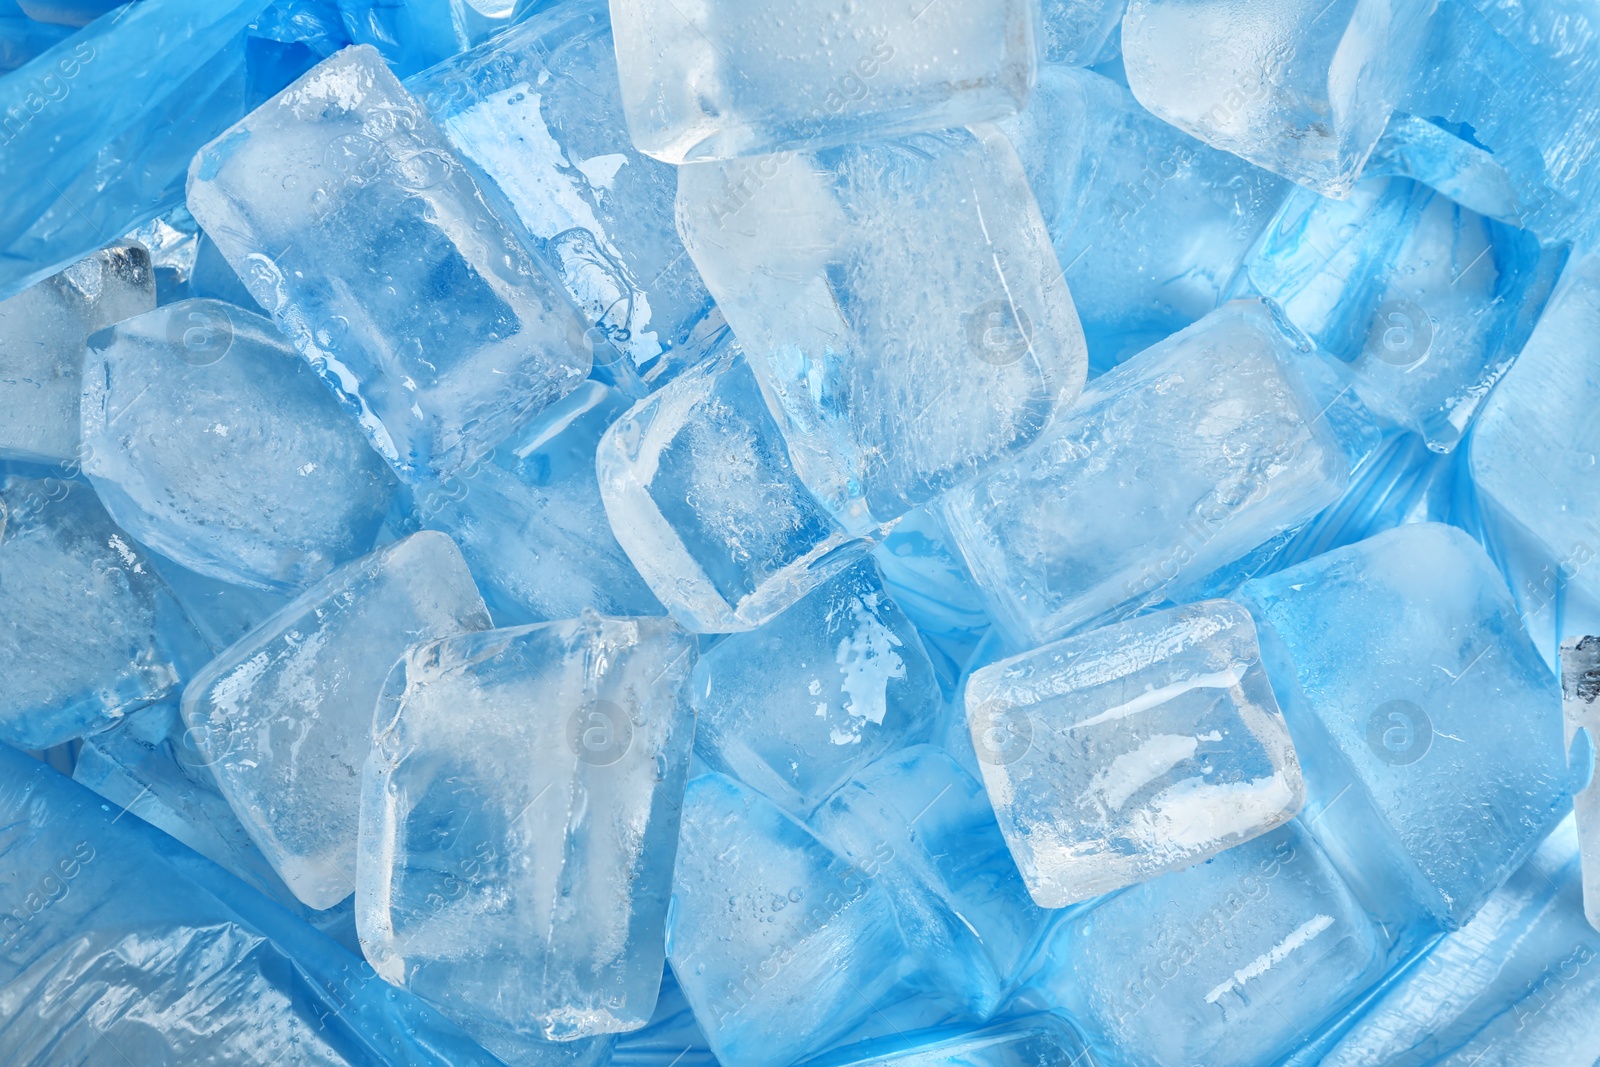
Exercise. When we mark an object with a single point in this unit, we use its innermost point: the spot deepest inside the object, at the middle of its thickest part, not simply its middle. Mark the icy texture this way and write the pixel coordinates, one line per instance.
(41, 347)
(22, 39)
(539, 111)
(519, 821)
(1516, 986)
(211, 441)
(726, 78)
(796, 706)
(121, 946)
(923, 572)
(1081, 32)
(1130, 751)
(1149, 223)
(531, 523)
(1177, 462)
(1300, 87)
(221, 611)
(1580, 698)
(1426, 302)
(1412, 690)
(780, 944)
(411, 35)
(1226, 964)
(1534, 458)
(285, 716)
(349, 217)
(701, 493)
(923, 827)
(96, 134)
(89, 632)
(1034, 1041)
(900, 303)
(1507, 88)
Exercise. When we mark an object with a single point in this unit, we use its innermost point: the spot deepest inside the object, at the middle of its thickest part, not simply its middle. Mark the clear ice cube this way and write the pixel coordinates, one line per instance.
(879, 291)
(1427, 725)
(210, 440)
(519, 820)
(285, 716)
(1425, 302)
(90, 632)
(1175, 463)
(1130, 751)
(924, 827)
(1300, 87)
(701, 492)
(42, 330)
(351, 219)
(781, 945)
(725, 78)
(797, 705)
(538, 109)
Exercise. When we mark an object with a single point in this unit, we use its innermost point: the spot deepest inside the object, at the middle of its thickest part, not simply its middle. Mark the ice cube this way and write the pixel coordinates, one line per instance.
(1081, 32)
(538, 109)
(1516, 985)
(1177, 462)
(1229, 963)
(350, 218)
(519, 820)
(531, 523)
(900, 303)
(780, 944)
(1300, 87)
(1426, 302)
(1149, 224)
(1497, 81)
(699, 486)
(285, 716)
(1133, 750)
(211, 441)
(120, 946)
(924, 826)
(1533, 463)
(725, 78)
(1428, 728)
(797, 705)
(89, 632)
(42, 330)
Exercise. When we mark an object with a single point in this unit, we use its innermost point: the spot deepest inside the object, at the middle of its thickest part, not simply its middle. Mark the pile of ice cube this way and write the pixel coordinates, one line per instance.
(939, 533)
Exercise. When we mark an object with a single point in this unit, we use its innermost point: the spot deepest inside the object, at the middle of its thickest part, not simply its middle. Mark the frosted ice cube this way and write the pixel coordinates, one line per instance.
(285, 716)
(1149, 224)
(1081, 32)
(538, 109)
(211, 441)
(1427, 726)
(1177, 462)
(1229, 963)
(89, 632)
(1301, 87)
(900, 303)
(531, 523)
(780, 944)
(350, 218)
(519, 818)
(699, 486)
(1139, 748)
(726, 78)
(42, 330)
(924, 826)
(797, 705)
(1428, 303)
